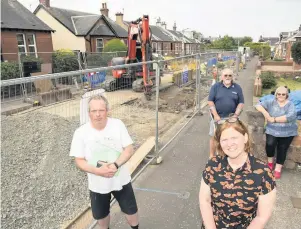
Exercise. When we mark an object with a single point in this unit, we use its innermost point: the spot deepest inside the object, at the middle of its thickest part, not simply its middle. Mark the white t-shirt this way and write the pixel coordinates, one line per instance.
(107, 144)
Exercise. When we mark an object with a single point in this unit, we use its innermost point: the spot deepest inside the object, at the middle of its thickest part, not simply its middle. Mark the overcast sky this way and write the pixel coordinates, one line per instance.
(210, 17)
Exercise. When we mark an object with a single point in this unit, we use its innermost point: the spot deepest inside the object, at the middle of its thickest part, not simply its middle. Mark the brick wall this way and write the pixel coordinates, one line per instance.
(9, 44)
(277, 63)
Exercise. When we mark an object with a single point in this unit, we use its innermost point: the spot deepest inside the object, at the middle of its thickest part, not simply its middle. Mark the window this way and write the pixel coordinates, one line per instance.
(99, 45)
(154, 46)
(32, 45)
(21, 44)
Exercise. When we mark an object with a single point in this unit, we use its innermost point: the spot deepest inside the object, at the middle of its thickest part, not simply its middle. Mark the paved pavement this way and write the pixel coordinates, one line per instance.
(167, 194)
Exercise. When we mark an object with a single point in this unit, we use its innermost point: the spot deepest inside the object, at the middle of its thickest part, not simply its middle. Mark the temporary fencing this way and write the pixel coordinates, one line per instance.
(177, 89)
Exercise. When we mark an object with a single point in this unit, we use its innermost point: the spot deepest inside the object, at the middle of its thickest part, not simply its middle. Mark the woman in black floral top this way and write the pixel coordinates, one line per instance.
(237, 191)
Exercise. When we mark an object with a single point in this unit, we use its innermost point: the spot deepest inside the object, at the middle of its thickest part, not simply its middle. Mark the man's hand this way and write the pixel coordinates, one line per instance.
(217, 118)
(106, 170)
(113, 167)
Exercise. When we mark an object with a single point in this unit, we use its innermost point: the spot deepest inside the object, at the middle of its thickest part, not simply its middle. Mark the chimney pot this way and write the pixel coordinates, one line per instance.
(104, 10)
(175, 27)
(45, 3)
(119, 17)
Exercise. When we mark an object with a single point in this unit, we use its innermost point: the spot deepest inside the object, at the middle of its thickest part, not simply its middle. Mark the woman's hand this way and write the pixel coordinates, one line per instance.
(270, 119)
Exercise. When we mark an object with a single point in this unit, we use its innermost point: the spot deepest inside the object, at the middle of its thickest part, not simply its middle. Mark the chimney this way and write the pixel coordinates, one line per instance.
(300, 27)
(163, 24)
(119, 18)
(175, 27)
(158, 23)
(104, 10)
(45, 3)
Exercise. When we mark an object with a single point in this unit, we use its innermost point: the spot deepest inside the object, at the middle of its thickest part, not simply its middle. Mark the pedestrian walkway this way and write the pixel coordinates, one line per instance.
(167, 194)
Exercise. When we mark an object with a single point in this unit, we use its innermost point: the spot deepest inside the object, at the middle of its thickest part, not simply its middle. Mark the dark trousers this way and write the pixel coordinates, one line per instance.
(281, 143)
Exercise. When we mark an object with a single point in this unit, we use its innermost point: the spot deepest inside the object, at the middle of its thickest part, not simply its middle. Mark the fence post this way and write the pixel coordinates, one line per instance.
(237, 63)
(157, 106)
(198, 80)
(23, 86)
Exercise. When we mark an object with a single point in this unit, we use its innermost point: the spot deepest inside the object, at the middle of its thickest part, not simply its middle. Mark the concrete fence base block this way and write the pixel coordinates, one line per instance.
(289, 164)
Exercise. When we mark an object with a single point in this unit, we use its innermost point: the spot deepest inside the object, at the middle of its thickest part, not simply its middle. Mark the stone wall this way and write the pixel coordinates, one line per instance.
(255, 121)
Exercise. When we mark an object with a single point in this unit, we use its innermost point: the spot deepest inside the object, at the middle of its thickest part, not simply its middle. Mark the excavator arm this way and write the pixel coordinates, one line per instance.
(139, 30)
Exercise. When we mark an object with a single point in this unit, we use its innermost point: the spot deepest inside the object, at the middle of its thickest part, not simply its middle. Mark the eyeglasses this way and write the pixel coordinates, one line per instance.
(227, 75)
(230, 119)
(283, 94)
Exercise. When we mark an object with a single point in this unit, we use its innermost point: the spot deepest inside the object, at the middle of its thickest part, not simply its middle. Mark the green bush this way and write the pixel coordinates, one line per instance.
(220, 65)
(9, 70)
(30, 58)
(64, 60)
(278, 59)
(261, 49)
(296, 52)
(115, 45)
(268, 80)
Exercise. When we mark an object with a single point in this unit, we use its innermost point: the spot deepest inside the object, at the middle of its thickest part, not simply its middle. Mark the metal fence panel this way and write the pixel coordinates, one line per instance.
(40, 114)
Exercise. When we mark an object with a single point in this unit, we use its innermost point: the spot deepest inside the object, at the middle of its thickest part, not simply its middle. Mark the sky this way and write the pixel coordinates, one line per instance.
(235, 18)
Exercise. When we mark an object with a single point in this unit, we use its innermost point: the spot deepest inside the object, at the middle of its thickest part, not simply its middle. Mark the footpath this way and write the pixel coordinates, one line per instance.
(167, 194)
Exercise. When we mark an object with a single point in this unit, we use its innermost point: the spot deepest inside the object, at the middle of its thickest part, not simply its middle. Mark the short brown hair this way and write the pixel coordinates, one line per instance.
(238, 126)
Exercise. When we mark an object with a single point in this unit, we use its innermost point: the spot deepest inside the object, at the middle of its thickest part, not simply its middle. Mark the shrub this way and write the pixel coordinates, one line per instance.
(115, 45)
(64, 60)
(30, 58)
(296, 52)
(220, 65)
(9, 70)
(268, 80)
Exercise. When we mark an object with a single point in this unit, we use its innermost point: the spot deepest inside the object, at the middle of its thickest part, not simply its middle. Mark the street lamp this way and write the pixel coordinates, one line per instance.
(183, 45)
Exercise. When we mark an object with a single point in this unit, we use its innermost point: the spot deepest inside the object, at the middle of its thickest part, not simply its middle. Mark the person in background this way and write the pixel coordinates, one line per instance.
(108, 139)
(225, 98)
(281, 127)
(237, 190)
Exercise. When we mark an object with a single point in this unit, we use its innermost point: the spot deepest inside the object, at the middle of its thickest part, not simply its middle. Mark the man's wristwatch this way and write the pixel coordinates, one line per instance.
(117, 166)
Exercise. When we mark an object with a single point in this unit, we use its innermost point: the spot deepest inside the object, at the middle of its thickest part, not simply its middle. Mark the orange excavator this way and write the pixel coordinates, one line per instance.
(141, 77)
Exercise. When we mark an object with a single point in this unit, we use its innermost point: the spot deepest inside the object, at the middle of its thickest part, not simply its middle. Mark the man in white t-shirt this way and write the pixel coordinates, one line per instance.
(101, 147)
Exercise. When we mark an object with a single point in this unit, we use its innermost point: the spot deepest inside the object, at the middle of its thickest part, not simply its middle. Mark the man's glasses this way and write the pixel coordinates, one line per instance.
(283, 94)
(227, 75)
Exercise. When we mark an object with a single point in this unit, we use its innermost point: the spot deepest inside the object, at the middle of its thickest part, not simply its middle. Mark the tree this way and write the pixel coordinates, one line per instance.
(261, 49)
(226, 42)
(244, 40)
(296, 52)
(115, 45)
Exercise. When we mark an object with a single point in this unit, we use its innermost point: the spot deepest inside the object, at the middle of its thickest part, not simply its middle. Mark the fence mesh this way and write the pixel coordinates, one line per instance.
(41, 113)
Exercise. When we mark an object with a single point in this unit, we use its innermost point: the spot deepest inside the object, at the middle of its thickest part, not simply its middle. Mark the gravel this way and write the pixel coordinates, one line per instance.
(40, 184)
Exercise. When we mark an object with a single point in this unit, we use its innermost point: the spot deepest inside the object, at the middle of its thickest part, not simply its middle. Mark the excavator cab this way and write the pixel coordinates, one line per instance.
(139, 50)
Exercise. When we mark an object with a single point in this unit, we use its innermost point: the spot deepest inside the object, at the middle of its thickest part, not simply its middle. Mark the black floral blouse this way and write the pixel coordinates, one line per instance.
(234, 194)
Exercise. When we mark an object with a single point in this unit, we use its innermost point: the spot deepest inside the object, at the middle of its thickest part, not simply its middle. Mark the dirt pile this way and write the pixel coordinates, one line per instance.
(174, 99)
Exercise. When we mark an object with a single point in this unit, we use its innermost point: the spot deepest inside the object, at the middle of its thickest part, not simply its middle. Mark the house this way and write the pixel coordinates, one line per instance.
(84, 32)
(165, 41)
(23, 32)
(271, 41)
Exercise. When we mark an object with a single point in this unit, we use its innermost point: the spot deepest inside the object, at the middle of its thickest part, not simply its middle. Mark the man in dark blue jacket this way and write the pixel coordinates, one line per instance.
(225, 98)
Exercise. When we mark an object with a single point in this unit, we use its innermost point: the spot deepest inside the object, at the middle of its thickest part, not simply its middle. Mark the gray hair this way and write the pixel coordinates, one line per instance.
(281, 88)
(227, 70)
(98, 97)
